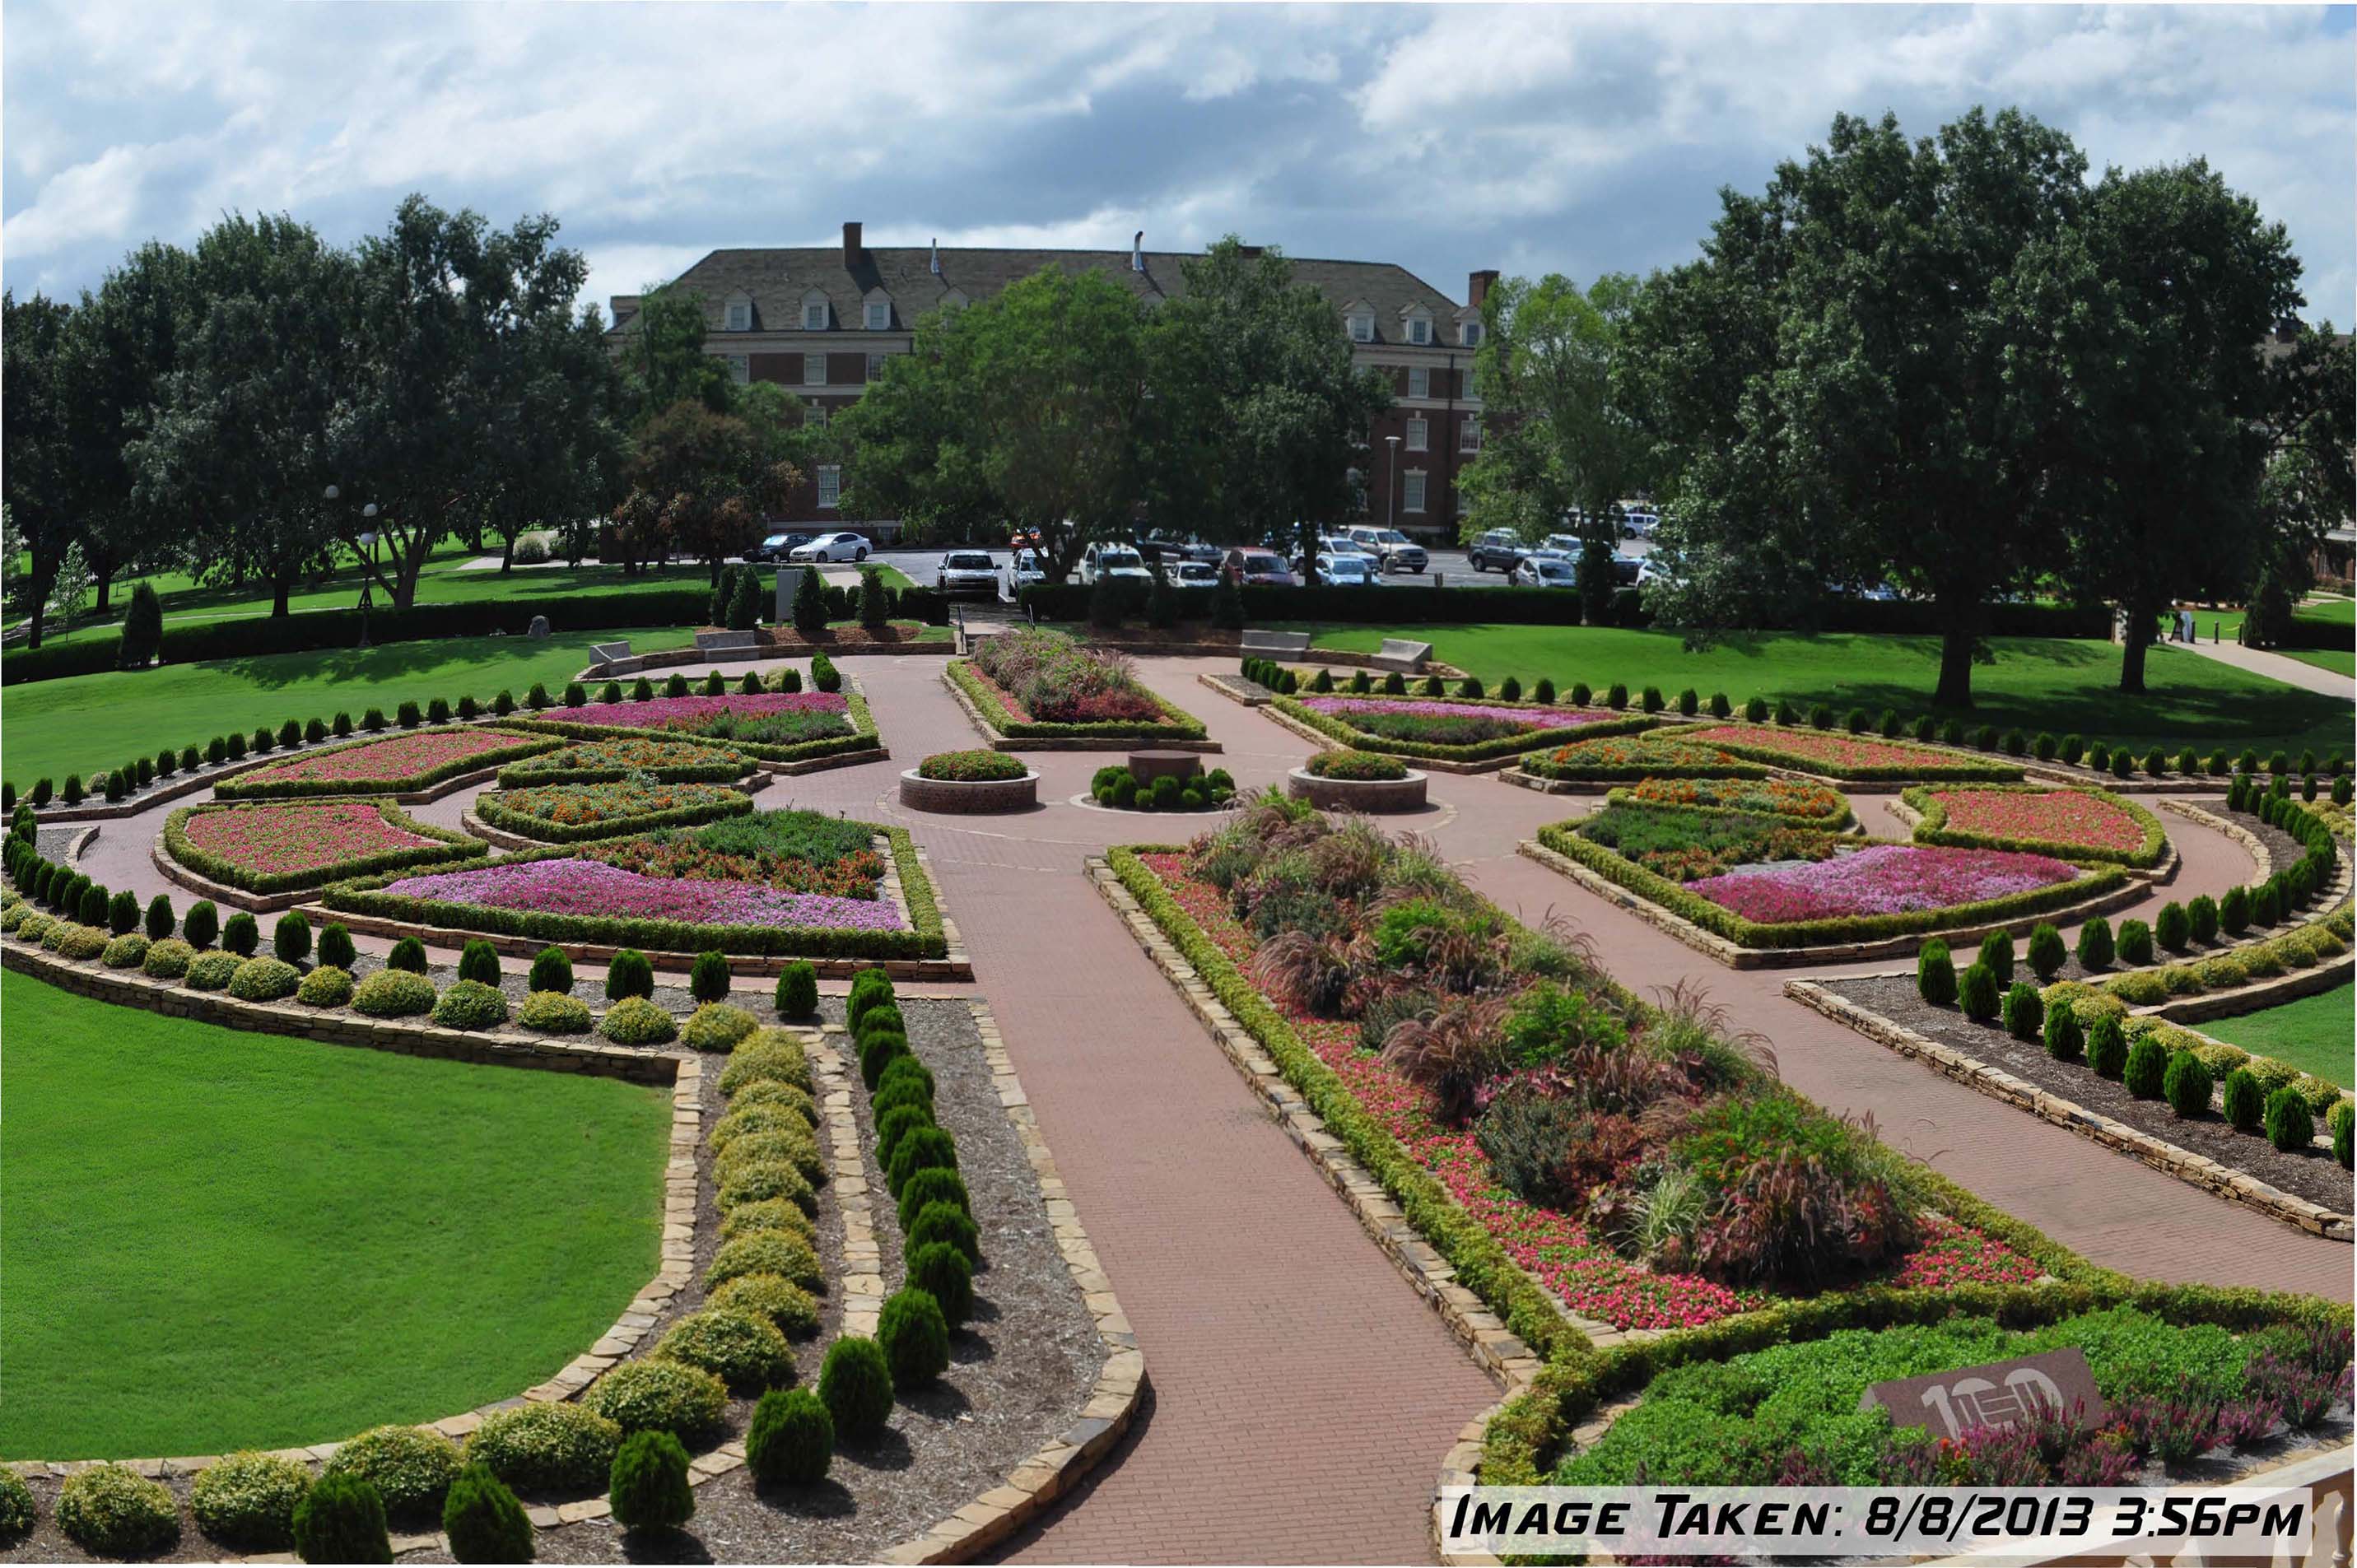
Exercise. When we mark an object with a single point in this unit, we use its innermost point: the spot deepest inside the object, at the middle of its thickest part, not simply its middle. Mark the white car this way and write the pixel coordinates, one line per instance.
(1194, 575)
(1359, 571)
(1114, 561)
(832, 547)
(1023, 570)
(1544, 571)
(966, 571)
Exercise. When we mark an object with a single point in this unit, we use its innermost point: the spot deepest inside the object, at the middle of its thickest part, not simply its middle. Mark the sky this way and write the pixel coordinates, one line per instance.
(1578, 139)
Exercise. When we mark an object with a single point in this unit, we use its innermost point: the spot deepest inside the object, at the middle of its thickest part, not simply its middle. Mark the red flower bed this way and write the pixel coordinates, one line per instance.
(1554, 1247)
(280, 838)
(1843, 751)
(395, 759)
(2051, 816)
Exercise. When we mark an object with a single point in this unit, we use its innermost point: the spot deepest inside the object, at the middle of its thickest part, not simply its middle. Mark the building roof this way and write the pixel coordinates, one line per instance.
(778, 281)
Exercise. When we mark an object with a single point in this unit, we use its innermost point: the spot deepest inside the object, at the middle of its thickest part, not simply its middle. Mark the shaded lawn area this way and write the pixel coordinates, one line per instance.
(218, 1239)
(2036, 683)
(86, 723)
(2315, 1034)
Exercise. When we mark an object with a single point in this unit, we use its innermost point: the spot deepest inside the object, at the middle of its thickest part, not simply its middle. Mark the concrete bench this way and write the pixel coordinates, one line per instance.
(1398, 653)
(611, 652)
(1277, 644)
(714, 642)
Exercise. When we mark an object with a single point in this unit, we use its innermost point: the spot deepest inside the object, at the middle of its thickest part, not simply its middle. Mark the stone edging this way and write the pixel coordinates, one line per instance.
(2187, 1167)
(2252, 844)
(1736, 956)
(204, 886)
(501, 838)
(969, 797)
(1234, 689)
(1497, 1349)
(1359, 794)
(1001, 741)
(2288, 986)
(879, 752)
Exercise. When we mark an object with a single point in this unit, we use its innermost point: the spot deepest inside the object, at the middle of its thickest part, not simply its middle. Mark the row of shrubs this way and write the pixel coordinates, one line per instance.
(1116, 786)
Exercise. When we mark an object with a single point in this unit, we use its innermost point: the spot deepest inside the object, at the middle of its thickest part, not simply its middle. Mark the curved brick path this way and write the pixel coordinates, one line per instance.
(1294, 1376)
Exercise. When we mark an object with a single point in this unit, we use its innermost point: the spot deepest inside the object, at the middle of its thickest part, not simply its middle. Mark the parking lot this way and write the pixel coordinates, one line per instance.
(1450, 567)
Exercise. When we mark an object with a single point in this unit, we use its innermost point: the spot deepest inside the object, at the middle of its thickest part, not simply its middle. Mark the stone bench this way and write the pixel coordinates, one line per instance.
(1277, 644)
(717, 643)
(1398, 653)
(611, 652)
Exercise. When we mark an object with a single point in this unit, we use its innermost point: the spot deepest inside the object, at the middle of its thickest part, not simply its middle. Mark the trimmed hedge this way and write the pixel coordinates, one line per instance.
(862, 738)
(258, 785)
(492, 809)
(1339, 729)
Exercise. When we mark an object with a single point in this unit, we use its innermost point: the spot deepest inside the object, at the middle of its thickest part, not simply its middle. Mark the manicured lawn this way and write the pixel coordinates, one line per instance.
(218, 1239)
(2037, 684)
(2315, 1034)
(86, 723)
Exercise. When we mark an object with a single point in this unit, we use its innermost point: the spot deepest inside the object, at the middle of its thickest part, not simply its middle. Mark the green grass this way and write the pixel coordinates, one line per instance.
(2036, 683)
(2314, 1034)
(218, 1239)
(86, 723)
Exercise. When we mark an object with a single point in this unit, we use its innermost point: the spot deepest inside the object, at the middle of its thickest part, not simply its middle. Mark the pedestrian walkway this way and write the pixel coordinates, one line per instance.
(2274, 666)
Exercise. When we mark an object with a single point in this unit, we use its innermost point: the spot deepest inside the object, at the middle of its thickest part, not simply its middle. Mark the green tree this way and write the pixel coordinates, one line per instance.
(2309, 479)
(1854, 384)
(665, 363)
(703, 478)
(36, 437)
(2163, 294)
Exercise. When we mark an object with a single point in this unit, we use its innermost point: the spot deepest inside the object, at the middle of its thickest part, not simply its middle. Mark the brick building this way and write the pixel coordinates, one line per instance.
(822, 321)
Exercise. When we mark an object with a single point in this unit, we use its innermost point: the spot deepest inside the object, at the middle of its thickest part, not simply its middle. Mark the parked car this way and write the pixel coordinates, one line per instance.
(1343, 545)
(776, 547)
(1356, 570)
(1500, 550)
(1113, 561)
(1257, 568)
(1395, 550)
(1543, 572)
(1024, 568)
(1174, 548)
(1195, 575)
(966, 571)
(832, 547)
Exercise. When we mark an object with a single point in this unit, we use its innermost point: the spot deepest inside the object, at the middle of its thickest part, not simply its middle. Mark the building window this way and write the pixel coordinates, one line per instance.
(1464, 501)
(1472, 387)
(1417, 432)
(817, 413)
(814, 315)
(1470, 334)
(1412, 498)
(1362, 329)
(830, 486)
(813, 369)
(880, 316)
(1419, 330)
(1468, 435)
(740, 318)
(739, 370)
(875, 367)
(1419, 380)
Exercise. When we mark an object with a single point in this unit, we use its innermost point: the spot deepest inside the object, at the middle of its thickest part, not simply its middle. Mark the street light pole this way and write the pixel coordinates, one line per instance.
(367, 541)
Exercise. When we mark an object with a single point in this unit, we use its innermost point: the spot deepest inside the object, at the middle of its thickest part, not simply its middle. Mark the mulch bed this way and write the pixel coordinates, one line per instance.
(852, 638)
(2313, 1176)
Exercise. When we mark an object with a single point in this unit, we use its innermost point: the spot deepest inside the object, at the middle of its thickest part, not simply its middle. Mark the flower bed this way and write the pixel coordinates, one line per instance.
(1520, 1105)
(972, 767)
(1810, 805)
(1357, 767)
(2085, 824)
(1048, 678)
(272, 846)
(570, 813)
(1856, 757)
(605, 761)
(391, 764)
(1823, 890)
(1651, 754)
(776, 882)
(775, 726)
(1444, 730)
(1003, 714)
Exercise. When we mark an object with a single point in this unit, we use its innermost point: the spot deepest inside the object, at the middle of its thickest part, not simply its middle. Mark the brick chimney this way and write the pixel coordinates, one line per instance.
(852, 248)
(1477, 286)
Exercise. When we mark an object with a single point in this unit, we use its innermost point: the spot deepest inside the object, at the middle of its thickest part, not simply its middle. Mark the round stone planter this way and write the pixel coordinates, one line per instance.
(968, 797)
(1358, 794)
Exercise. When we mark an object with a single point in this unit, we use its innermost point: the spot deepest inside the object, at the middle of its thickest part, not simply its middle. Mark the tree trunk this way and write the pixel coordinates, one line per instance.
(104, 576)
(40, 611)
(1956, 639)
(280, 589)
(507, 555)
(2135, 640)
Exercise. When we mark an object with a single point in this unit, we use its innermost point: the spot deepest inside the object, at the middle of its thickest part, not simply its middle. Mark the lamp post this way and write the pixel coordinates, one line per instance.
(366, 541)
(1391, 487)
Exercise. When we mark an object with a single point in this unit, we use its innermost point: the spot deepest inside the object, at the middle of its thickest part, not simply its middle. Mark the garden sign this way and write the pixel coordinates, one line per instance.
(1998, 1394)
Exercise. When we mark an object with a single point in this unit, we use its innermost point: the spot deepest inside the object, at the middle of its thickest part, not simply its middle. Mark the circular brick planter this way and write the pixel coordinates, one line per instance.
(1358, 794)
(968, 797)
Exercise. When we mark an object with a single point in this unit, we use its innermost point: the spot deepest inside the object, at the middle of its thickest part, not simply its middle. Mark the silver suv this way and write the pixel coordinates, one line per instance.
(1395, 550)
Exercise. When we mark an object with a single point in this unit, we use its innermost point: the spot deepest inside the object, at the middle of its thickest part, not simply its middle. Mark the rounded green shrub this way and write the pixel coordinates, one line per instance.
(324, 987)
(2342, 1121)
(908, 1070)
(775, 1300)
(654, 1395)
(1935, 973)
(925, 1148)
(336, 948)
(648, 1488)
(743, 1350)
(927, 1187)
(2064, 1040)
(761, 1181)
(707, 978)
(408, 955)
(2025, 1010)
(554, 1013)
(1977, 993)
(112, 1510)
(2148, 1065)
(2290, 1127)
(2243, 1102)
(2235, 912)
(854, 1382)
(791, 1441)
(2046, 952)
(943, 1273)
(2135, 943)
(551, 971)
(480, 962)
(341, 1519)
(764, 1118)
(291, 938)
(878, 1048)
(2107, 1047)
(770, 1092)
(2172, 928)
(128, 951)
(767, 1252)
(798, 990)
(717, 1026)
(210, 971)
(560, 1447)
(629, 974)
(248, 1500)
(18, 1514)
(409, 1466)
(471, 1004)
(2202, 918)
(483, 1520)
(946, 1223)
(767, 1054)
(894, 1124)
(167, 959)
(393, 993)
(2095, 948)
(636, 1021)
(1997, 951)
(241, 934)
(2186, 1085)
(915, 1337)
(768, 1214)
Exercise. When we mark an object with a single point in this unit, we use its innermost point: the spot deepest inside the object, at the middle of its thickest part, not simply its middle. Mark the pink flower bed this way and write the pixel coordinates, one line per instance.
(682, 712)
(282, 837)
(1435, 707)
(390, 760)
(1551, 1246)
(1821, 746)
(2053, 816)
(580, 886)
(1883, 879)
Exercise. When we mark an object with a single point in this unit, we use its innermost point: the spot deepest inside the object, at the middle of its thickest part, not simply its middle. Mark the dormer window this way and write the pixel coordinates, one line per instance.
(1419, 330)
(740, 316)
(1363, 328)
(1468, 333)
(814, 315)
(879, 316)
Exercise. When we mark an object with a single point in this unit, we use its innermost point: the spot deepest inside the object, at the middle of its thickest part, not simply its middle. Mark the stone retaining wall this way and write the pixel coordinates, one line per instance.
(1358, 794)
(968, 797)
(204, 886)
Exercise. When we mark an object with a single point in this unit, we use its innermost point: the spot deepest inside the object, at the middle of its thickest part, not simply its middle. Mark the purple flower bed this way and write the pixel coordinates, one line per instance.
(1535, 719)
(571, 886)
(659, 712)
(1881, 880)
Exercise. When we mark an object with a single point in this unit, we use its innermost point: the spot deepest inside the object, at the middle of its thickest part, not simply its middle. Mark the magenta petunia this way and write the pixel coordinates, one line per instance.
(1884, 879)
(569, 885)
